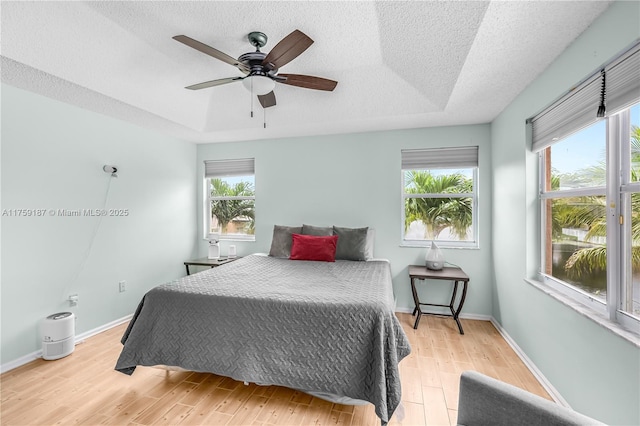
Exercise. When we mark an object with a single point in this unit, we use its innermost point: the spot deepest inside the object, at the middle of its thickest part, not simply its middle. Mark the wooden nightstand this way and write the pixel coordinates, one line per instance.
(455, 275)
(208, 262)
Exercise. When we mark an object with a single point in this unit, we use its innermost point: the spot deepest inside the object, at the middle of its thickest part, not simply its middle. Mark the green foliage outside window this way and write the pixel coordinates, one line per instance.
(233, 210)
(589, 213)
(438, 214)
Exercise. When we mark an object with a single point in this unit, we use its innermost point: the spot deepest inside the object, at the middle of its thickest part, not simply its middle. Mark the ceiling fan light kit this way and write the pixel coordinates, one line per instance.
(258, 84)
(260, 69)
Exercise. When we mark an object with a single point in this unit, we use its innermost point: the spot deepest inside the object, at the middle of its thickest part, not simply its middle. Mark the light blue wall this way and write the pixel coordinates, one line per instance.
(52, 158)
(597, 372)
(354, 180)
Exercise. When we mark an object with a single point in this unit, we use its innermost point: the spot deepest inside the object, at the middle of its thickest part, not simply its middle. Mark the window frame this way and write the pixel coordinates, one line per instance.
(567, 289)
(226, 168)
(450, 165)
(626, 187)
(617, 144)
(615, 86)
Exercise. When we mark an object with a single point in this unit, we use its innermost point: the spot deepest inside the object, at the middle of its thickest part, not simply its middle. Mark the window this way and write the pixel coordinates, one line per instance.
(439, 196)
(590, 191)
(630, 209)
(573, 200)
(230, 199)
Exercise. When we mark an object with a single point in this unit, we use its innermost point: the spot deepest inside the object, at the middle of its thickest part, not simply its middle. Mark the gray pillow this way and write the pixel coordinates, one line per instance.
(352, 243)
(371, 239)
(319, 231)
(281, 241)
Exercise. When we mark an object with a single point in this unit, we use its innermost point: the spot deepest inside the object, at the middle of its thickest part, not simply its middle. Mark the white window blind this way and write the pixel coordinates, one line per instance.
(577, 109)
(440, 158)
(221, 168)
(623, 82)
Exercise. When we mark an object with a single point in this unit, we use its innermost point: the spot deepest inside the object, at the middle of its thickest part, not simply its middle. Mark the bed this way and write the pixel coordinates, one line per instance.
(320, 327)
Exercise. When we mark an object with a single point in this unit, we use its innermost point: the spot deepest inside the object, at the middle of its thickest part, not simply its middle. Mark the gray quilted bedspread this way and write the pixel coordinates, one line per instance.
(319, 326)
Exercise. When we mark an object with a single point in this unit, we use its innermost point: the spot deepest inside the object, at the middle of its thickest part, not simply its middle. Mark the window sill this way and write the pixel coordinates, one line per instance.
(234, 239)
(596, 317)
(440, 246)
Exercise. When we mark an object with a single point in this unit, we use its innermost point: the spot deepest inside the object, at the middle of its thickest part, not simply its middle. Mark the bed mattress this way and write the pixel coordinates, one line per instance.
(320, 326)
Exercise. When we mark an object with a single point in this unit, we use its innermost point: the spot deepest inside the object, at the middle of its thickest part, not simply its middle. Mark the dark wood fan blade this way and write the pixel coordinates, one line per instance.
(213, 83)
(307, 81)
(287, 50)
(267, 100)
(208, 50)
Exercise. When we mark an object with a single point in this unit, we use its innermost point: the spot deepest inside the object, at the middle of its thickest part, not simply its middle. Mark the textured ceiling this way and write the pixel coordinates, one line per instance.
(398, 64)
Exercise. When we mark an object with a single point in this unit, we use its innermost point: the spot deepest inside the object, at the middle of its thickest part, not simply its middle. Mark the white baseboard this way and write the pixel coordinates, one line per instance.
(479, 317)
(553, 392)
(8, 366)
(82, 336)
(25, 359)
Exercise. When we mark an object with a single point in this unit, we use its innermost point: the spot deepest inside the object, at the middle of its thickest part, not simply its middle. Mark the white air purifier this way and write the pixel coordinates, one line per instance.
(214, 246)
(434, 259)
(58, 335)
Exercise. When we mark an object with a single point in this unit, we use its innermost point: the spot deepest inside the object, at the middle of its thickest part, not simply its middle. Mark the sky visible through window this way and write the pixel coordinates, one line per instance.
(585, 146)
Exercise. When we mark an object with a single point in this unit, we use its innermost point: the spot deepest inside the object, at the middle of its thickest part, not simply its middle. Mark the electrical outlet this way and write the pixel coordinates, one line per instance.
(73, 300)
(123, 286)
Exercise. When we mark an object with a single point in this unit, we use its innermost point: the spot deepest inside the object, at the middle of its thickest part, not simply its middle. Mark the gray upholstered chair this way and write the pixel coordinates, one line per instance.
(487, 401)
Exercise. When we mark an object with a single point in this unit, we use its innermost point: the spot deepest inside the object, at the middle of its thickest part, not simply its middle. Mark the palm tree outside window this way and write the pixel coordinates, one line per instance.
(440, 196)
(232, 206)
(230, 198)
(576, 234)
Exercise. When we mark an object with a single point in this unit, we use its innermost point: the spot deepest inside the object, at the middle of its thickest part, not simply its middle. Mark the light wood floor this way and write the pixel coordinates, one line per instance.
(83, 388)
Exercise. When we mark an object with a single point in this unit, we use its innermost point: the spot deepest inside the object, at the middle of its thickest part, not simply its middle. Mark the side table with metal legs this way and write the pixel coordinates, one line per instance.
(456, 275)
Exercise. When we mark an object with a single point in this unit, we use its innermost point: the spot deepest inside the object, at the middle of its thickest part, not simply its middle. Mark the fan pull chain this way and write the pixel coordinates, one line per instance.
(251, 97)
(264, 117)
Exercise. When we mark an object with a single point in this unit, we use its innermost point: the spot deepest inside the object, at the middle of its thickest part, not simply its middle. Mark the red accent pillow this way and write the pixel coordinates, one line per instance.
(311, 247)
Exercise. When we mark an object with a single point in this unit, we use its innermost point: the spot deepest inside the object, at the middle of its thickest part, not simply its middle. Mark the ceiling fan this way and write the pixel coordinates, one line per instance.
(261, 69)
